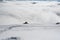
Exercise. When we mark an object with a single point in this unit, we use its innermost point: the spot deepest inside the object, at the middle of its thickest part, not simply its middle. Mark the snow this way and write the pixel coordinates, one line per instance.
(33, 33)
(42, 18)
(41, 12)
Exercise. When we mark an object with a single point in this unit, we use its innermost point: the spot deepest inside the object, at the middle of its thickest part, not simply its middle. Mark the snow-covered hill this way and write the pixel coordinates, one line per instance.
(41, 17)
(41, 12)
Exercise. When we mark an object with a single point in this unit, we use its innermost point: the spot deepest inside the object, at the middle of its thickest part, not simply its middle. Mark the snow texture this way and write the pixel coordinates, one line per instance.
(41, 17)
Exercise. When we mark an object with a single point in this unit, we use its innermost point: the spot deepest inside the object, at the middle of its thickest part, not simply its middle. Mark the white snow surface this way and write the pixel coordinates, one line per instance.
(33, 32)
(19, 12)
(42, 18)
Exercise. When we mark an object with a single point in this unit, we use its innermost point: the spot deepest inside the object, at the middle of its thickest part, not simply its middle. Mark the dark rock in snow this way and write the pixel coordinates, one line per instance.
(25, 22)
(12, 38)
(58, 23)
(33, 2)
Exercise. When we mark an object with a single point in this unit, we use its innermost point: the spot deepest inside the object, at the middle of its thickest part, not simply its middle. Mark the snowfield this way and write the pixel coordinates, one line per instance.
(41, 12)
(32, 32)
(41, 17)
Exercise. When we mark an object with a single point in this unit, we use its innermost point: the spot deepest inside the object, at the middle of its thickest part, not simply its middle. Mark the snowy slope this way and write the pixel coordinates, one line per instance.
(32, 32)
(41, 12)
(40, 16)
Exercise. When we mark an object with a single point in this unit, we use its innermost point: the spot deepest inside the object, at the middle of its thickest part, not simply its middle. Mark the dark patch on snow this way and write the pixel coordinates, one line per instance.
(58, 23)
(33, 2)
(25, 23)
(12, 38)
(58, 3)
(58, 14)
